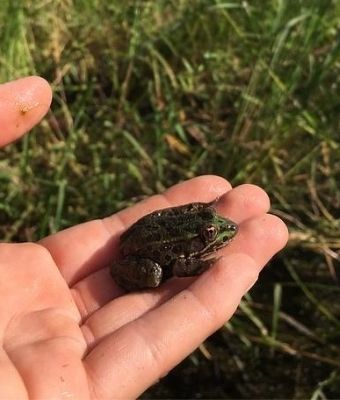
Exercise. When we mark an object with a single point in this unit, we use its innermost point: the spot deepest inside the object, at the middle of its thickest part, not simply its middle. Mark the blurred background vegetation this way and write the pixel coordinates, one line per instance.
(149, 93)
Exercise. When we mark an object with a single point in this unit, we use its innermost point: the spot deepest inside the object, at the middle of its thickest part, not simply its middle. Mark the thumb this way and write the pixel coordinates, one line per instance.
(23, 103)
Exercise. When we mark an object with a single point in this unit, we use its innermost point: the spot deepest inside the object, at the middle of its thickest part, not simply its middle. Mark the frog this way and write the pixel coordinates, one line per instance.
(177, 241)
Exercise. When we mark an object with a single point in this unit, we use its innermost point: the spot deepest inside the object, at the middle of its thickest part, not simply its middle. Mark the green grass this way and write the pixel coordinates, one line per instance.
(153, 92)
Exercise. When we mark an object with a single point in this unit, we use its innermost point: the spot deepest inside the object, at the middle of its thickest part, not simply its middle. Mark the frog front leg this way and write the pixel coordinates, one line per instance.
(191, 266)
(133, 273)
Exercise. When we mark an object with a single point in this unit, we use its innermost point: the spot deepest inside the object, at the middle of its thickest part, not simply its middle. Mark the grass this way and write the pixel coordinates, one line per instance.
(150, 93)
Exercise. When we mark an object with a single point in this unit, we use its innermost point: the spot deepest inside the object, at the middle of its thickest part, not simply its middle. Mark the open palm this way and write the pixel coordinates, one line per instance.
(69, 332)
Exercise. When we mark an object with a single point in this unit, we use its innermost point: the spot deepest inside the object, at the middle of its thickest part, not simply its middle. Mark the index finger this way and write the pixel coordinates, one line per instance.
(87, 247)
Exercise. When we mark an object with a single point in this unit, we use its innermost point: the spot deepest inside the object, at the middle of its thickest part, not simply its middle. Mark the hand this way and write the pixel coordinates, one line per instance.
(69, 332)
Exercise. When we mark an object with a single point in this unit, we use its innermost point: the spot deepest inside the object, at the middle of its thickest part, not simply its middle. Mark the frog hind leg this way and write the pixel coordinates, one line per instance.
(191, 266)
(132, 273)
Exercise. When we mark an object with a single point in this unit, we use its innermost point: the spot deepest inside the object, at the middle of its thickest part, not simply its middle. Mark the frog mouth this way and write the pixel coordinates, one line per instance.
(210, 249)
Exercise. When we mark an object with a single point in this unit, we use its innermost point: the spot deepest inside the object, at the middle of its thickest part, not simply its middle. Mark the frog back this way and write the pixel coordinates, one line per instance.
(167, 234)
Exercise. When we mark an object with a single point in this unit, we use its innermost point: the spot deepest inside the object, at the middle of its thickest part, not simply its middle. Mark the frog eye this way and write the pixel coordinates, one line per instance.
(209, 233)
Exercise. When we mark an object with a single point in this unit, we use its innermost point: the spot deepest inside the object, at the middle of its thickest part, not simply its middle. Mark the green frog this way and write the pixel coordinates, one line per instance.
(175, 241)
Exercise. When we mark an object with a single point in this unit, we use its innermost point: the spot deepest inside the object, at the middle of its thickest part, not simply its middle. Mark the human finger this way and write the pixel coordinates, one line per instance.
(23, 103)
(97, 289)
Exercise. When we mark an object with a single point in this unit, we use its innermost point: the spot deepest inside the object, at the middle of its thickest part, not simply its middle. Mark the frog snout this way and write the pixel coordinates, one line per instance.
(233, 227)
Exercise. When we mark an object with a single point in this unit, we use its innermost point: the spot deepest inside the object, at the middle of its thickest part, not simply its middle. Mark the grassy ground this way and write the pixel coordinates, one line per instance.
(152, 92)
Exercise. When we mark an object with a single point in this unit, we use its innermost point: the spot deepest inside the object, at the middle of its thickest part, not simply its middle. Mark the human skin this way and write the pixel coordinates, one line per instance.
(69, 332)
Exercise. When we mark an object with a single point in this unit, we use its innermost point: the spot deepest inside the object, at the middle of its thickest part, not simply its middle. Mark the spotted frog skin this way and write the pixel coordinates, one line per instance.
(174, 241)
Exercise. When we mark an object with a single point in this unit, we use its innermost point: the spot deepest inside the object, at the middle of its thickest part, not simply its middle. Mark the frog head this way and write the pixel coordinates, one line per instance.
(217, 232)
